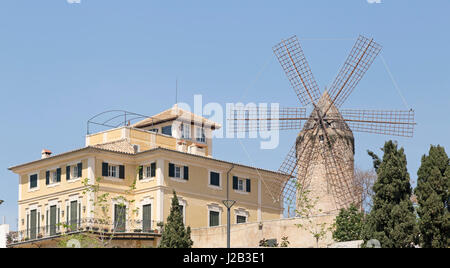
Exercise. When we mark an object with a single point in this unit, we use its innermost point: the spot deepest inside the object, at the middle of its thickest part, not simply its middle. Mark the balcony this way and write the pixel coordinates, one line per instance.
(130, 229)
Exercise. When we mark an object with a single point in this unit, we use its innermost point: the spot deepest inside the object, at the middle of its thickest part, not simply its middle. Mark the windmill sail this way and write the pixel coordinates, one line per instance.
(293, 61)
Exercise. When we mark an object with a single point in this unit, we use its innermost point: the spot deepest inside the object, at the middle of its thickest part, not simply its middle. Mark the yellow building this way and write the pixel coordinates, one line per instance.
(169, 151)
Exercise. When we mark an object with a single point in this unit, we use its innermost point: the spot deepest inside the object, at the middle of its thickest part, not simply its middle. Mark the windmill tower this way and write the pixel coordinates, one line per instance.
(321, 162)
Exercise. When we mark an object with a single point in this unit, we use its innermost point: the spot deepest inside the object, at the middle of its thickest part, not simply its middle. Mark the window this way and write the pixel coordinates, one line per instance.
(241, 185)
(74, 172)
(178, 172)
(33, 181)
(214, 179)
(52, 176)
(136, 148)
(113, 171)
(33, 223)
(167, 130)
(214, 218)
(147, 171)
(200, 134)
(147, 218)
(241, 219)
(120, 218)
(72, 214)
(155, 130)
(185, 131)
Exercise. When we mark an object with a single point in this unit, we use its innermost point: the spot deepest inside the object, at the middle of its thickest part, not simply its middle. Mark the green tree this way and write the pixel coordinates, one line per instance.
(433, 196)
(392, 220)
(175, 235)
(348, 225)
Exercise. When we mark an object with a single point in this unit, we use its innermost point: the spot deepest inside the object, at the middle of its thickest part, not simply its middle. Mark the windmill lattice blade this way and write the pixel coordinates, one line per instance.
(293, 61)
(397, 123)
(295, 167)
(257, 118)
(339, 171)
(358, 62)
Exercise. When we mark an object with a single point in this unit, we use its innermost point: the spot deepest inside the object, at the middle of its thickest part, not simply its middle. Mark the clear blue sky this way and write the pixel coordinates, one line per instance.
(62, 63)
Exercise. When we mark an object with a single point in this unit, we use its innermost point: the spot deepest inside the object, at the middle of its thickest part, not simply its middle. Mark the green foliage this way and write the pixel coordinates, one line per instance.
(265, 244)
(306, 209)
(284, 243)
(101, 209)
(348, 225)
(175, 235)
(433, 196)
(392, 220)
(85, 240)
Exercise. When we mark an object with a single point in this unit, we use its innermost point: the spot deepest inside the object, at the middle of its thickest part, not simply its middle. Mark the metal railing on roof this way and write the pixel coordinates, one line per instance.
(114, 119)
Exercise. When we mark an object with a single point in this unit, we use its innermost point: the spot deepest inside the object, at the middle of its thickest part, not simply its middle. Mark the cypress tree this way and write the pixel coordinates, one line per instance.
(433, 196)
(175, 235)
(392, 220)
(348, 225)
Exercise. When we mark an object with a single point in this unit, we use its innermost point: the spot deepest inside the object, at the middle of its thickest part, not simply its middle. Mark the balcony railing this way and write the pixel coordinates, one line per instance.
(93, 225)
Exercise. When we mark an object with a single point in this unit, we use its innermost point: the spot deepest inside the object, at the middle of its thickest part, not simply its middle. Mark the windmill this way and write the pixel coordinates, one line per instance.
(321, 162)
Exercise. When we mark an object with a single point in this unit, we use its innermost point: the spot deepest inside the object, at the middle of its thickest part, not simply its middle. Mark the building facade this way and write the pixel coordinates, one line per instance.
(141, 164)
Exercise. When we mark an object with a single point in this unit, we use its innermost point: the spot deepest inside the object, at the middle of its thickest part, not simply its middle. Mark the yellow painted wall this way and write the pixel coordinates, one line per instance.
(195, 192)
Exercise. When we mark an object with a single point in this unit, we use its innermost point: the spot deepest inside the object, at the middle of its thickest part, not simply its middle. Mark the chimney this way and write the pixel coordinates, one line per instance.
(45, 154)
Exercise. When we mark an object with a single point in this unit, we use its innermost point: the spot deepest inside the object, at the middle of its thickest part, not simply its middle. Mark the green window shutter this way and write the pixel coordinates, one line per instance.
(186, 173)
(58, 175)
(248, 185)
(53, 220)
(39, 222)
(214, 179)
(33, 224)
(235, 183)
(171, 170)
(147, 218)
(73, 219)
(141, 172)
(67, 173)
(79, 213)
(241, 219)
(33, 181)
(80, 170)
(213, 218)
(122, 171)
(28, 225)
(153, 170)
(105, 169)
(47, 177)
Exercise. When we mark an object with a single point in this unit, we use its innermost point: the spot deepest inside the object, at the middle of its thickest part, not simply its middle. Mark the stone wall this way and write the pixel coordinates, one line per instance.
(248, 235)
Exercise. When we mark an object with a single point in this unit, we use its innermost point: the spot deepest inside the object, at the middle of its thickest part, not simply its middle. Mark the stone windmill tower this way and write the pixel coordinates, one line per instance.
(321, 162)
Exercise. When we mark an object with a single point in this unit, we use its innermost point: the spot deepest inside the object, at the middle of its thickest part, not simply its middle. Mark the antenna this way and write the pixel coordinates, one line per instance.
(176, 90)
